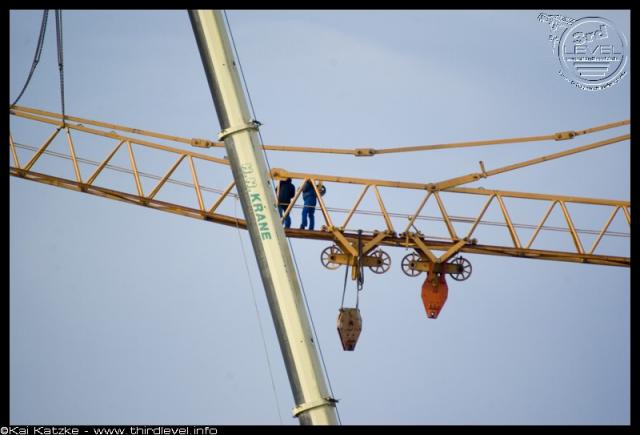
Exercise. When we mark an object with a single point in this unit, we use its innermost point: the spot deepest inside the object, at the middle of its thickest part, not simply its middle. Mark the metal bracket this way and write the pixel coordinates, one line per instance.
(251, 125)
(564, 135)
(201, 143)
(344, 243)
(362, 152)
(315, 404)
(422, 247)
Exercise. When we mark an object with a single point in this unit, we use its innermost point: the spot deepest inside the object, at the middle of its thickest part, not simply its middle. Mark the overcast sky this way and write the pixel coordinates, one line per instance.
(127, 315)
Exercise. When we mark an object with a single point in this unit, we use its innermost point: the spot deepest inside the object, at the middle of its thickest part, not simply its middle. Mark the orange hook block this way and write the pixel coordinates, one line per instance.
(349, 327)
(434, 293)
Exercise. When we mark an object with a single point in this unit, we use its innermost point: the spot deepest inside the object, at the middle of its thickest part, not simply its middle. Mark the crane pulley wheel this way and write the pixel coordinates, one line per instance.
(408, 265)
(384, 262)
(328, 256)
(464, 267)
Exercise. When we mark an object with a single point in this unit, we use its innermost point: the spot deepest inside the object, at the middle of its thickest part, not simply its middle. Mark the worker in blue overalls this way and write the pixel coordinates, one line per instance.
(309, 196)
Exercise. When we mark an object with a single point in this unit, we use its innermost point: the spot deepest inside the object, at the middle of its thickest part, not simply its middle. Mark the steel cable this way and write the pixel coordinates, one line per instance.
(36, 57)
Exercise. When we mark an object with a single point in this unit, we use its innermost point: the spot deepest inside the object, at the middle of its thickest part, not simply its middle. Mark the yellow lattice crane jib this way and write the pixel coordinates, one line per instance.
(348, 248)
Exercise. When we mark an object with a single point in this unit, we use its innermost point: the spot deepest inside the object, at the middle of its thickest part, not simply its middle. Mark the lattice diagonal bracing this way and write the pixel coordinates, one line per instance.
(412, 230)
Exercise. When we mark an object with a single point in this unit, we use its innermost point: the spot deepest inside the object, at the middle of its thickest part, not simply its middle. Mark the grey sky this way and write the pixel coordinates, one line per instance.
(126, 315)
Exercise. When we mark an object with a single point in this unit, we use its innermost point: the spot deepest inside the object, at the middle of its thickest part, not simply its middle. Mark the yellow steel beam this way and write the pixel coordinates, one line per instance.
(348, 260)
(507, 219)
(339, 236)
(603, 230)
(482, 212)
(194, 178)
(574, 234)
(41, 150)
(222, 197)
(390, 240)
(627, 214)
(327, 218)
(355, 207)
(425, 266)
(72, 152)
(445, 216)
(541, 223)
(134, 168)
(469, 178)
(413, 217)
(603, 127)
(559, 154)
(197, 189)
(373, 243)
(453, 250)
(116, 136)
(452, 234)
(539, 196)
(22, 111)
(343, 242)
(166, 176)
(424, 248)
(279, 173)
(554, 136)
(14, 153)
(104, 163)
(383, 209)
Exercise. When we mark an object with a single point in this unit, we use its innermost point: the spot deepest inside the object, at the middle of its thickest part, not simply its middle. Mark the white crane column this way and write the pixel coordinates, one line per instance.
(244, 150)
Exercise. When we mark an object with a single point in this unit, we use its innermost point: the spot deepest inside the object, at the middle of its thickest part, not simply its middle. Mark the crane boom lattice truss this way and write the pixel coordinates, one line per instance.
(336, 228)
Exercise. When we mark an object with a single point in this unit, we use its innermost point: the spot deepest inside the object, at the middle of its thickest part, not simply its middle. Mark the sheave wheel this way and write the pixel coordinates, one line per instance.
(384, 262)
(464, 269)
(408, 265)
(327, 255)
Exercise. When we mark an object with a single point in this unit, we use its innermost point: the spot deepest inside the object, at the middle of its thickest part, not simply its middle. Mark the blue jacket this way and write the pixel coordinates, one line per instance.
(309, 194)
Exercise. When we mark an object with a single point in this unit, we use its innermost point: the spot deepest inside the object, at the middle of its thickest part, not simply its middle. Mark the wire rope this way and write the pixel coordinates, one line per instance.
(36, 56)
(58, 15)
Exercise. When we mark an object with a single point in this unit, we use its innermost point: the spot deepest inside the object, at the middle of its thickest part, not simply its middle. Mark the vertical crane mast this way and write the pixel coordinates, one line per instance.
(314, 405)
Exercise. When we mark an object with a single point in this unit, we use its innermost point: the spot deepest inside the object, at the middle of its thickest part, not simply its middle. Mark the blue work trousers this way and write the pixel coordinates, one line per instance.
(287, 220)
(307, 212)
